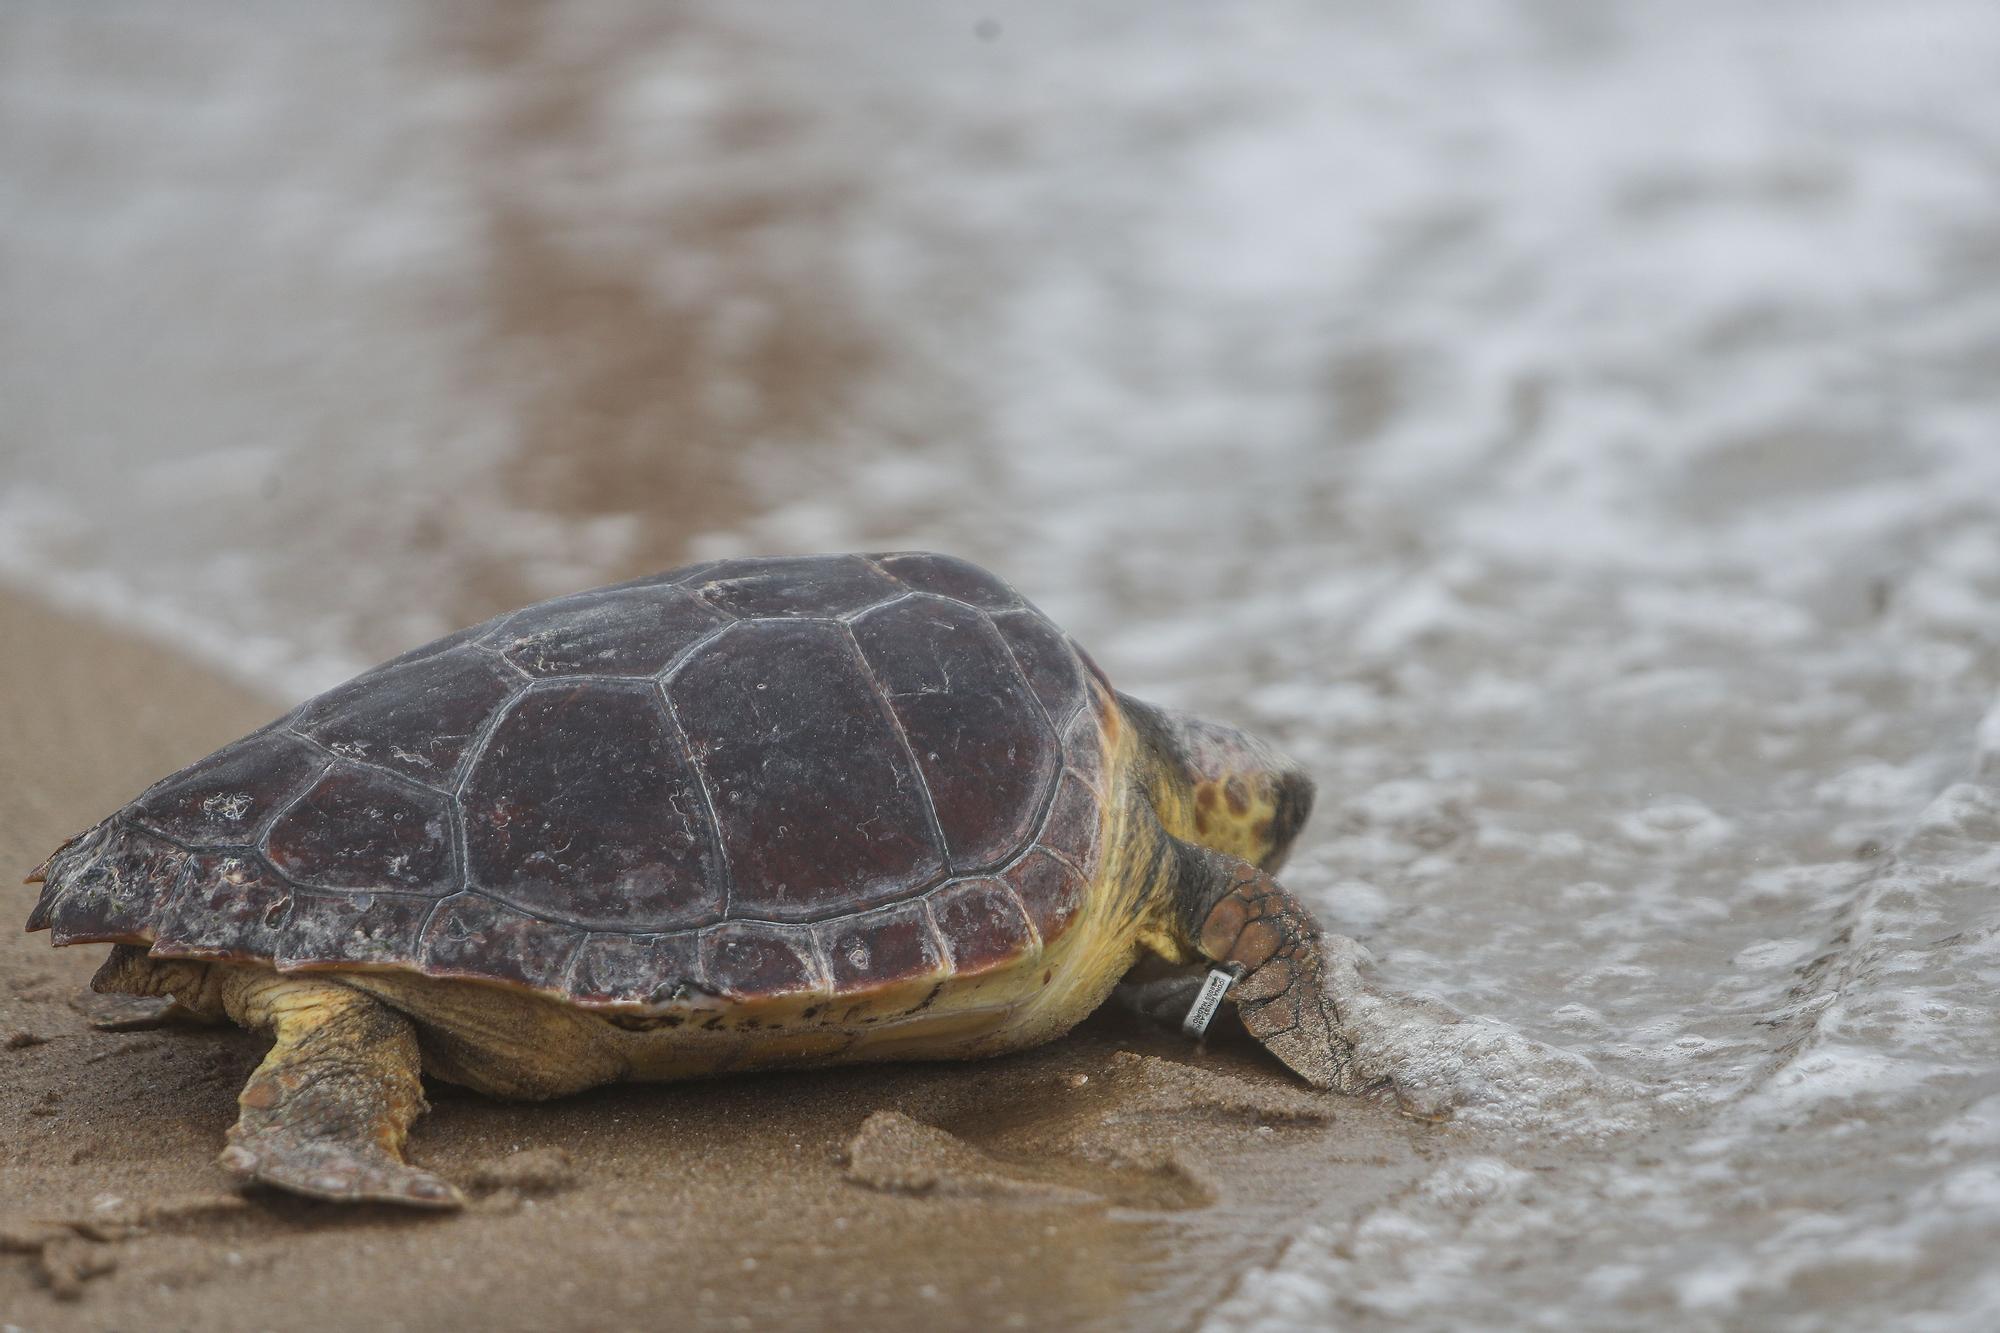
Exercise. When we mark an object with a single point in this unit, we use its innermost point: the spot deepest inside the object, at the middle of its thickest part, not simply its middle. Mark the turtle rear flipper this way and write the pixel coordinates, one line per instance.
(134, 992)
(142, 1014)
(326, 1113)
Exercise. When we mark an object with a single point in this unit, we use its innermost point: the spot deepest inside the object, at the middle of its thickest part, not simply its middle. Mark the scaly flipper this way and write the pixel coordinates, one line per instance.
(326, 1113)
(140, 1015)
(146, 995)
(1235, 914)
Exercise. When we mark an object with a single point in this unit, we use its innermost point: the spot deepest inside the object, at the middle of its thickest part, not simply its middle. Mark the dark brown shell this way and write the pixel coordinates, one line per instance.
(746, 778)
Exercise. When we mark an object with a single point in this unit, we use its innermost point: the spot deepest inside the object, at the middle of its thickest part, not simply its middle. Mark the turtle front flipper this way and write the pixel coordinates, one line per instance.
(1239, 917)
(326, 1113)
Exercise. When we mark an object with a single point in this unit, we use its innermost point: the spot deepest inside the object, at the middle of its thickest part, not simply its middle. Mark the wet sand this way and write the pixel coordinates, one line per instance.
(1114, 1179)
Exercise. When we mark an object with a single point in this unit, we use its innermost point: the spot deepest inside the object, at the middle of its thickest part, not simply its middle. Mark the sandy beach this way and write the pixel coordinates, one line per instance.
(1115, 1179)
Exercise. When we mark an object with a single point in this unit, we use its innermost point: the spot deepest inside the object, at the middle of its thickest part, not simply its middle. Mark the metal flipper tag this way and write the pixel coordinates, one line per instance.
(1213, 988)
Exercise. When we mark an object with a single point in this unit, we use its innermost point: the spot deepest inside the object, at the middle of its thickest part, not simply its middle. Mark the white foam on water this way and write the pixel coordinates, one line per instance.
(1478, 1072)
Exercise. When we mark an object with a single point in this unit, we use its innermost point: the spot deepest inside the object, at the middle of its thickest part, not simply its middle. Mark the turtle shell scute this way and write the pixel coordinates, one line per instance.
(1049, 660)
(632, 631)
(652, 971)
(821, 810)
(986, 752)
(794, 586)
(583, 808)
(107, 885)
(231, 905)
(886, 947)
(1050, 888)
(224, 799)
(419, 717)
(982, 924)
(331, 929)
(756, 960)
(1075, 823)
(950, 576)
(361, 828)
(430, 648)
(1083, 747)
(471, 935)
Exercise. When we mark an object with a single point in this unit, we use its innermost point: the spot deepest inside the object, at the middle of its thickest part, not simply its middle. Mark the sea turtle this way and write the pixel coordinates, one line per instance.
(745, 814)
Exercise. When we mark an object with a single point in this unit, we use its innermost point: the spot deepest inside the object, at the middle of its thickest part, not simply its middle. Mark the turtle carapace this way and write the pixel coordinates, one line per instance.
(746, 814)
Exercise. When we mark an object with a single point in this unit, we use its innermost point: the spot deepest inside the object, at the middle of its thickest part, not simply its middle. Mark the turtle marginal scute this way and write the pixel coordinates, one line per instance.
(1050, 888)
(1075, 824)
(757, 960)
(55, 874)
(41, 873)
(982, 924)
(471, 935)
(229, 905)
(334, 928)
(110, 886)
(1048, 659)
(1084, 751)
(653, 970)
(879, 948)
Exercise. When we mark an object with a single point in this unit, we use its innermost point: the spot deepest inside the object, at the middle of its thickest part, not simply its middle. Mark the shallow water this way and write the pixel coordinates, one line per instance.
(1570, 429)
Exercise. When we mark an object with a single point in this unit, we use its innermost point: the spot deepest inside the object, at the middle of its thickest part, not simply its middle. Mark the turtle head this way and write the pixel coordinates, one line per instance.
(1221, 787)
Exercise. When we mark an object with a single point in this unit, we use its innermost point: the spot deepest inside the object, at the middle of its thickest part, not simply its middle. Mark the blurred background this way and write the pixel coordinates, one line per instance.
(1570, 427)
